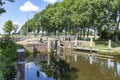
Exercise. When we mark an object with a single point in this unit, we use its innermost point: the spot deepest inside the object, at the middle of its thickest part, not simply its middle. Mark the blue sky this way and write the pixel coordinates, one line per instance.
(18, 16)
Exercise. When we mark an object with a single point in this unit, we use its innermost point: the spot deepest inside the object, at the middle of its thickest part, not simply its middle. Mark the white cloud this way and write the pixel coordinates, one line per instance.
(51, 1)
(28, 6)
(16, 22)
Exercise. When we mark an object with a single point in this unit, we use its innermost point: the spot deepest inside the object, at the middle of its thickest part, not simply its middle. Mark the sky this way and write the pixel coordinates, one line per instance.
(20, 9)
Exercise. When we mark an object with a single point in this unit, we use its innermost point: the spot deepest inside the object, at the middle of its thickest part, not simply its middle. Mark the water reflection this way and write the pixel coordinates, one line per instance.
(31, 72)
(95, 67)
(78, 66)
(75, 57)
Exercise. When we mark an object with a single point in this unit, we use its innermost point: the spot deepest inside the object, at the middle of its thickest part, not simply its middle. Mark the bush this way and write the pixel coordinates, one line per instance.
(7, 57)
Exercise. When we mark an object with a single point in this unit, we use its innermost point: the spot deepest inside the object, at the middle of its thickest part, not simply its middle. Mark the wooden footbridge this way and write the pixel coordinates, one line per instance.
(92, 49)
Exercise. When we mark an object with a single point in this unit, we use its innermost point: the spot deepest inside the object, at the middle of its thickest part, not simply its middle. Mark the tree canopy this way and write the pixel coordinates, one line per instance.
(70, 15)
(2, 2)
(8, 27)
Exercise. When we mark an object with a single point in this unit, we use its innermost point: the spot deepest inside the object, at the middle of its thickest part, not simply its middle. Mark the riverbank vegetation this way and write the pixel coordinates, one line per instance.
(7, 58)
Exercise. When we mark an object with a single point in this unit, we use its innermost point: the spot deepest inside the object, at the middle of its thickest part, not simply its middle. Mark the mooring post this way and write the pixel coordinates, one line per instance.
(109, 44)
(20, 64)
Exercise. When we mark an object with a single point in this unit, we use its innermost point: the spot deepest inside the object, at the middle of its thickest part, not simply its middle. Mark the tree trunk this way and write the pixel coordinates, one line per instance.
(84, 32)
(55, 32)
(116, 35)
(81, 32)
(38, 30)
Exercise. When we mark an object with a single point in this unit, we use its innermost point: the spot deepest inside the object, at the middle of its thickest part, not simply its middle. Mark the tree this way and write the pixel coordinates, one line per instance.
(99, 15)
(15, 28)
(8, 27)
(2, 10)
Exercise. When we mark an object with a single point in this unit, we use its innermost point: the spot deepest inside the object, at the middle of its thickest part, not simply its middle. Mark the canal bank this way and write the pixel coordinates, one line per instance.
(101, 47)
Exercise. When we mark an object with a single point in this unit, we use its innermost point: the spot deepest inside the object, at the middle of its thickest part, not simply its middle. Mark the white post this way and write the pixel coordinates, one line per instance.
(48, 62)
(48, 45)
(58, 47)
(91, 41)
(76, 39)
(109, 44)
(75, 42)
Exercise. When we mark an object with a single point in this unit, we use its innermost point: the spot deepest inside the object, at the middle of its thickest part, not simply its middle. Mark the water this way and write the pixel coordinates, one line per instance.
(76, 66)
(31, 72)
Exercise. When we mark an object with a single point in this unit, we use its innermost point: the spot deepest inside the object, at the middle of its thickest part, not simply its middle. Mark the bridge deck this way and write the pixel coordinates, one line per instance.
(91, 49)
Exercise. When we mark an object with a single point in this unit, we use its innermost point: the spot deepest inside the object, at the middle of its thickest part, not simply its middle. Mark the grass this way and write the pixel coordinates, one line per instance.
(102, 45)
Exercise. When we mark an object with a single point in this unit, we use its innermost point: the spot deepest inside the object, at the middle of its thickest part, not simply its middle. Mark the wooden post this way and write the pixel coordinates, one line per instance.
(109, 44)
(20, 64)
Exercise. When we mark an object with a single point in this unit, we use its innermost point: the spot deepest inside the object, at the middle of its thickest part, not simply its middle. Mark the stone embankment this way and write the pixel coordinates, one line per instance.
(34, 46)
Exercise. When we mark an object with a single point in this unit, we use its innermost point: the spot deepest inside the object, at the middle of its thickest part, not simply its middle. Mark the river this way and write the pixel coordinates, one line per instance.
(75, 66)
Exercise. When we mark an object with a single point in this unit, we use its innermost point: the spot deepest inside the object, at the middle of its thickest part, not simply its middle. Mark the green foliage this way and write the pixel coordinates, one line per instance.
(8, 27)
(2, 2)
(67, 15)
(7, 57)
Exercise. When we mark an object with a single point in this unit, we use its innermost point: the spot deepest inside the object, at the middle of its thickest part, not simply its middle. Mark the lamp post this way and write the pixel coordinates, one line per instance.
(27, 26)
(28, 7)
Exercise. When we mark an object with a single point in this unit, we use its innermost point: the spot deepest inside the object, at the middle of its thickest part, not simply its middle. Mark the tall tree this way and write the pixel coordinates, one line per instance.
(8, 26)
